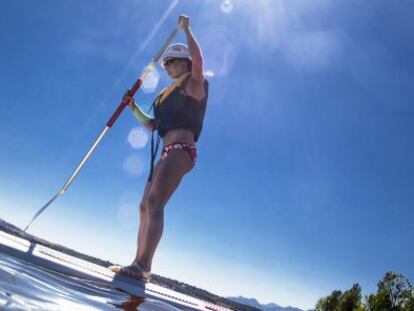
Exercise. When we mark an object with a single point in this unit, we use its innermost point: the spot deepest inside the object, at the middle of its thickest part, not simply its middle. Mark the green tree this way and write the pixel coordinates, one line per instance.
(350, 300)
(393, 294)
(330, 302)
(409, 306)
(378, 302)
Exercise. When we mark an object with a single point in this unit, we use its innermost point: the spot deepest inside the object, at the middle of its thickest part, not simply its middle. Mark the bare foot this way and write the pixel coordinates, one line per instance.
(133, 271)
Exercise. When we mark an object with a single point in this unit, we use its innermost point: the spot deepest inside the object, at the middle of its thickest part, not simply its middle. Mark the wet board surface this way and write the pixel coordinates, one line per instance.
(61, 263)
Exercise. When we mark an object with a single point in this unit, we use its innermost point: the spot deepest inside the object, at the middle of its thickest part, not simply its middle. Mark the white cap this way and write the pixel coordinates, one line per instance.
(176, 50)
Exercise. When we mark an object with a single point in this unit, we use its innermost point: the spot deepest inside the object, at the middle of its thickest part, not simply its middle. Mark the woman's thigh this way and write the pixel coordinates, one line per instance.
(168, 176)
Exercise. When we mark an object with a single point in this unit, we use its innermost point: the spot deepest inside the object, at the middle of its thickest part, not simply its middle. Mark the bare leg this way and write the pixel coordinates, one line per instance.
(134, 270)
(143, 213)
(165, 181)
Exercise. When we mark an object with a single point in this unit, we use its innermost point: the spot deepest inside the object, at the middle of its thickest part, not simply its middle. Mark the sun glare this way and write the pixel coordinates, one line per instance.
(127, 210)
(226, 6)
(209, 73)
(137, 138)
(134, 165)
(150, 83)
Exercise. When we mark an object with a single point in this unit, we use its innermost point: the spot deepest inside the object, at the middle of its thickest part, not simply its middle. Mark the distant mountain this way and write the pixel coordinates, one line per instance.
(269, 307)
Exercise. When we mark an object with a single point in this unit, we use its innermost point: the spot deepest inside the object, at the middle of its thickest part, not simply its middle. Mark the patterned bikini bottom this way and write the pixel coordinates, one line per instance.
(189, 148)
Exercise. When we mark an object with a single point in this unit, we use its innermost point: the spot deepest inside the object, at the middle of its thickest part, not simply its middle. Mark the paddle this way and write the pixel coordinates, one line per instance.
(130, 92)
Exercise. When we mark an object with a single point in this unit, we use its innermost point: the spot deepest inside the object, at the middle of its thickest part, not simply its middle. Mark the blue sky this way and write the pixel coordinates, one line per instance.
(303, 183)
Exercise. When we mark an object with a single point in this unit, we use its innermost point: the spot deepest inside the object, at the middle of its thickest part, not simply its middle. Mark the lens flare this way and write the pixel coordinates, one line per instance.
(127, 210)
(226, 6)
(209, 73)
(134, 165)
(137, 138)
(220, 49)
(151, 81)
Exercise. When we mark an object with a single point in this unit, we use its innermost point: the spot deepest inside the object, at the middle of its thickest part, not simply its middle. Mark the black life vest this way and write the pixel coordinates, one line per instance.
(179, 110)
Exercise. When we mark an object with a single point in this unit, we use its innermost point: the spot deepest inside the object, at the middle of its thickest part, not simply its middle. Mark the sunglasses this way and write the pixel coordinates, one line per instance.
(169, 61)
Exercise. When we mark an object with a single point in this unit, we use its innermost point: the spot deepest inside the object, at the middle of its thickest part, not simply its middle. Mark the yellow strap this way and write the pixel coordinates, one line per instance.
(167, 91)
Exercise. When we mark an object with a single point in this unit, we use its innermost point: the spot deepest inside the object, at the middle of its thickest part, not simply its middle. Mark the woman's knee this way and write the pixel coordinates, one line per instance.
(154, 205)
(143, 209)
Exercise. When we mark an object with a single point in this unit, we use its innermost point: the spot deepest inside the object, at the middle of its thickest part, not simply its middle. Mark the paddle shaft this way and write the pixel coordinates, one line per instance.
(130, 92)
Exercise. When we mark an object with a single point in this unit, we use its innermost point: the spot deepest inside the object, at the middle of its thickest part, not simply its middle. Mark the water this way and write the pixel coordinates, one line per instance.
(24, 286)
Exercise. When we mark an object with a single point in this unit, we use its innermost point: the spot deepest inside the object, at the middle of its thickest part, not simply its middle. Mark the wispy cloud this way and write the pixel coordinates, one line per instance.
(268, 26)
(98, 42)
(312, 50)
(220, 51)
(108, 40)
(284, 26)
(157, 27)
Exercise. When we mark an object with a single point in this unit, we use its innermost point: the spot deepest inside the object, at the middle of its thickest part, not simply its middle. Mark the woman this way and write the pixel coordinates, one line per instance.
(178, 118)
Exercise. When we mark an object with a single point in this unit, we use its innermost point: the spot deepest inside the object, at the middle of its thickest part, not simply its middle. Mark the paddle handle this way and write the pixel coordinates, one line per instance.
(131, 92)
